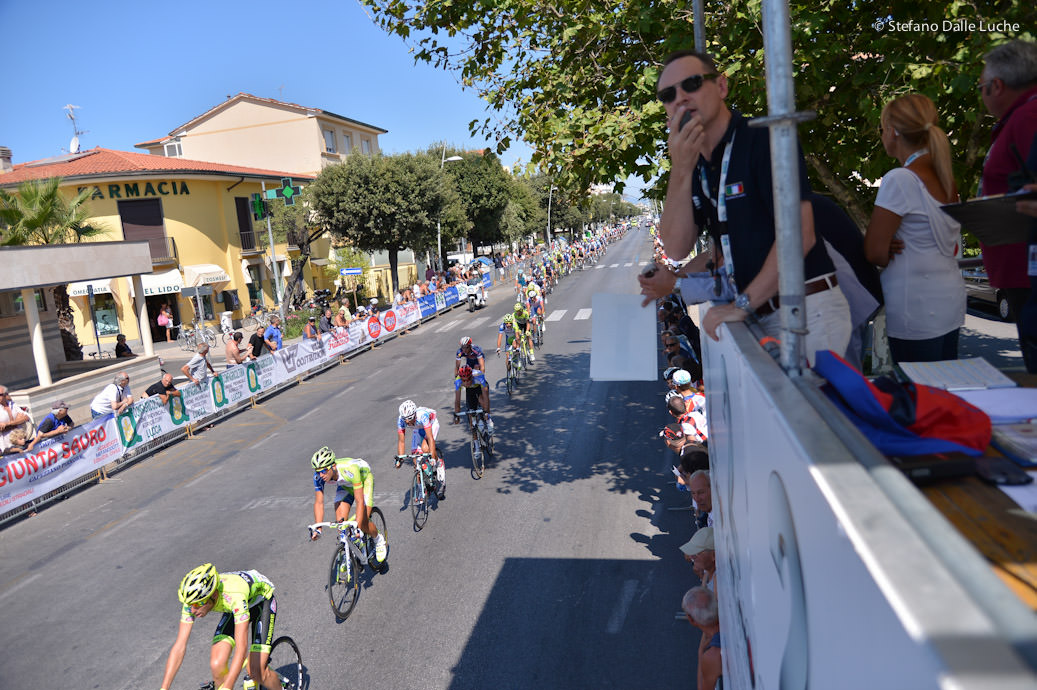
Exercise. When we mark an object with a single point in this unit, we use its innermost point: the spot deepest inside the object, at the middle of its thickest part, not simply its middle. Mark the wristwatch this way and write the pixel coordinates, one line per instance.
(742, 302)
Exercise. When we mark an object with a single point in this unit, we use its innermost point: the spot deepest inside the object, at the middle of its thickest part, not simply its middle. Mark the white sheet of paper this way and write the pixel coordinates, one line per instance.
(624, 344)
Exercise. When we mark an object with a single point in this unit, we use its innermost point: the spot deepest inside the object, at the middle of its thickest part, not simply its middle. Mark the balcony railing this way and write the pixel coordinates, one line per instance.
(163, 251)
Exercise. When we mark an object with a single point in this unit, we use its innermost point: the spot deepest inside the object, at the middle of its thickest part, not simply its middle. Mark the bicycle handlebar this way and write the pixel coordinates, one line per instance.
(337, 525)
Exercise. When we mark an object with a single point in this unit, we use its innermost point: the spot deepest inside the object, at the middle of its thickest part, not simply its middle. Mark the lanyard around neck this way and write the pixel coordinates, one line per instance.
(915, 156)
(721, 202)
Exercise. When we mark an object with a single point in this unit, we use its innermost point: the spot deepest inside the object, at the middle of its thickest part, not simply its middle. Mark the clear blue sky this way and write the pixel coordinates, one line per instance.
(139, 69)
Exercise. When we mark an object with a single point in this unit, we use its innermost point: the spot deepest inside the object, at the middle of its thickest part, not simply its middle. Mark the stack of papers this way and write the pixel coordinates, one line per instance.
(974, 373)
(1018, 442)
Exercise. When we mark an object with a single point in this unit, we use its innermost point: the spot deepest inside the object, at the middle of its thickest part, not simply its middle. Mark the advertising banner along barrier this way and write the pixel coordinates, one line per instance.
(60, 460)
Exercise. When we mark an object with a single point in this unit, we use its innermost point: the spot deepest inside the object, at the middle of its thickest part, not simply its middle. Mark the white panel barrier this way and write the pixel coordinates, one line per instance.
(822, 580)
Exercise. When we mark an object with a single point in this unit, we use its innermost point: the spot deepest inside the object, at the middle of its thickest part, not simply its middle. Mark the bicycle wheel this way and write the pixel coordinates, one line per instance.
(509, 382)
(418, 501)
(343, 583)
(286, 662)
(183, 341)
(378, 520)
(477, 456)
(209, 336)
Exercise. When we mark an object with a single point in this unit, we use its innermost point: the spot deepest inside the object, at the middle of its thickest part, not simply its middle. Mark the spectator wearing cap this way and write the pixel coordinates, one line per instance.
(113, 398)
(700, 552)
(121, 348)
(372, 305)
(195, 368)
(693, 424)
(702, 494)
(163, 388)
(700, 606)
(54, 424)
(309, 331)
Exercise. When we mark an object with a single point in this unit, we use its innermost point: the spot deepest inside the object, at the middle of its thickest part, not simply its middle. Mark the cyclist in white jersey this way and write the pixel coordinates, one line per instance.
(426, 428)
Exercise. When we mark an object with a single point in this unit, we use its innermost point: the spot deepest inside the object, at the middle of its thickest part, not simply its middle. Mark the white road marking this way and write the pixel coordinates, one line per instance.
(619, 614)
(642, 263)
(614, 266)
(556, 315)
(203, 475)
(261, 441)
(133, 518)
(19, 585)
(475, 322)
(582, 315)
(599, 266)
(629, 263)
(448, 326)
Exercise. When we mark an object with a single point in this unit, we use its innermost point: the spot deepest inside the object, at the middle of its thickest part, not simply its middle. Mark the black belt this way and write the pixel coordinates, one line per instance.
(811, 288)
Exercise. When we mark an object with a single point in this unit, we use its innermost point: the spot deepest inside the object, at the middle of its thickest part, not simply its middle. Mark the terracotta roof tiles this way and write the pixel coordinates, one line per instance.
(99, 162)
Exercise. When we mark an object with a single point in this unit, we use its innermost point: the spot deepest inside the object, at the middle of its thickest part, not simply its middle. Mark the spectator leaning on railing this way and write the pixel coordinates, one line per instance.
(700, 606)
(12, 418)
(54, 424)
(195, 368)
(163, 388)
(113, 398)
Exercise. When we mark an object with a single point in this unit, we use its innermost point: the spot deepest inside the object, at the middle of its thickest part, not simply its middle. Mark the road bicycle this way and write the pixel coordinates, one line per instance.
(355, 550)
(258, 317)
(513, 365)
(423, 486)
(538, 331)
(285, 660)
(228, 333)
(481, 443)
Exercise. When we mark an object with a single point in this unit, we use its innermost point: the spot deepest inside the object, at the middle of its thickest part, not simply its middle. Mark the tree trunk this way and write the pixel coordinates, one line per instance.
(394, 262)
(841, 193)
(69, 340)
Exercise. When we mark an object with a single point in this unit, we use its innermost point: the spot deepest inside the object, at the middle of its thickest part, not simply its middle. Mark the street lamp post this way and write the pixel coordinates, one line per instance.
(439, 220)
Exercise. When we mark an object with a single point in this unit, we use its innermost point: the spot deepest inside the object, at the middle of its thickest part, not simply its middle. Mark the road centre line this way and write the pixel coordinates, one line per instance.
(18, 584)
(556, 315)
(619, 614)
(204, 475)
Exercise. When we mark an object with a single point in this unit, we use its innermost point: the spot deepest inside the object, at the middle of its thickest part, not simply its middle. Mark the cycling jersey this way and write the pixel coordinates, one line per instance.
(521, 279)
(478, 380)
(509, 332)
(238, 591)
(425, 422)
(353, 473)
(472, 359)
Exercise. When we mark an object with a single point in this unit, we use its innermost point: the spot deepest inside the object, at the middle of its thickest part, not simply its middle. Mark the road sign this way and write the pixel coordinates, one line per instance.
(350, 271)
(286, 191)
(200, 291)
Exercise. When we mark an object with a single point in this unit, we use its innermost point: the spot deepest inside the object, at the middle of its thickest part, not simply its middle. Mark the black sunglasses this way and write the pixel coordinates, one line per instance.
(689, 85)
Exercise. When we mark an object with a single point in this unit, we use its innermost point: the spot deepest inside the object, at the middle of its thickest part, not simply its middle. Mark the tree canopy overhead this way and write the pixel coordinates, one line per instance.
(577, 79)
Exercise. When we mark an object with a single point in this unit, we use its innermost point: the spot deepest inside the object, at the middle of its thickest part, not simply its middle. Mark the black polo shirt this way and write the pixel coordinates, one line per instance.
(750, 201)
(159, 388)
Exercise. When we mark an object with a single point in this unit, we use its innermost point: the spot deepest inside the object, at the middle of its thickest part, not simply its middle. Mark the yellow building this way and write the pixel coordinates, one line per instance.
(196, 217)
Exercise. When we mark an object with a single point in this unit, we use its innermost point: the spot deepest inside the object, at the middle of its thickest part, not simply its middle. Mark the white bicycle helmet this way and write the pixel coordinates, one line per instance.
(466, 341)
(408, 409)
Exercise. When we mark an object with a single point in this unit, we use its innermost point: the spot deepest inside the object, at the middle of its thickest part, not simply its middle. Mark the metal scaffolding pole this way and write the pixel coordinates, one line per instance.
(781, 119)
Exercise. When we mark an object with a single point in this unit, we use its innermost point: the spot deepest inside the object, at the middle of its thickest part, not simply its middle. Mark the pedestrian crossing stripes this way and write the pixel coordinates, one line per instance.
(614, 266)
(642, 263)
(629, 263)
(556, 315)
(599, 266)
(477, 321)
(582, 315)
(447, 326)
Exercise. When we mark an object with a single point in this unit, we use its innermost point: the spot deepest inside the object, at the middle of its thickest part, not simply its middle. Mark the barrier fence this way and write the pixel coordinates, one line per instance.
(89, 451)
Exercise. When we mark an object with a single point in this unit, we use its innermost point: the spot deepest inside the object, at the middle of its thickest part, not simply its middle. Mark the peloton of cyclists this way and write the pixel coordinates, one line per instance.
(246, 600)
(426, 429)
(354, 483)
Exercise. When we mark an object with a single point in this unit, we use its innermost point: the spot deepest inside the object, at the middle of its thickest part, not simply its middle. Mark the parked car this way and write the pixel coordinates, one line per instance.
(978, 287)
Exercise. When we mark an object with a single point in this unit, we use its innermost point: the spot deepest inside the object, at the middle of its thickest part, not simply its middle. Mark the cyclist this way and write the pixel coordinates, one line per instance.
(524, 330)
(536, 306)
(507, 333)
(354, 483)
(426, 430)
(477, 393)
(246, 600)
(520, 282)
(470, 354)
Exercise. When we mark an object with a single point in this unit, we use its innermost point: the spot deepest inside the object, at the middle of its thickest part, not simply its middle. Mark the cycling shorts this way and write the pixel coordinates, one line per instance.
(261, 617)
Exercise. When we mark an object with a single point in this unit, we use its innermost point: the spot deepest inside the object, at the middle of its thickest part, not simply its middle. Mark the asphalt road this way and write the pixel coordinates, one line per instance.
(558, 569)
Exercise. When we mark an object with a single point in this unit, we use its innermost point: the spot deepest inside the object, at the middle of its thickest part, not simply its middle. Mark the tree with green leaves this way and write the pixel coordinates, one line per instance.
(578, 80)
(388, 203)
(38, 213)
(483, 187)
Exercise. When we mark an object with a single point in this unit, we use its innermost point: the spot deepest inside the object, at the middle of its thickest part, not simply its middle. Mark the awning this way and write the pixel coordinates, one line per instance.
(204, 274)
(320, 262)
(286, 264)
(165, 283)
(80, 289)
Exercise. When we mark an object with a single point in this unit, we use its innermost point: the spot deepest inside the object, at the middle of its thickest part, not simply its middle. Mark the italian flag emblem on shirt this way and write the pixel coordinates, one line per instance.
(734, 189)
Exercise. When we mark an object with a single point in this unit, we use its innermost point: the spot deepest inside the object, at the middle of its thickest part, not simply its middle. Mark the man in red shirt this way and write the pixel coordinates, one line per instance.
(1008, 87)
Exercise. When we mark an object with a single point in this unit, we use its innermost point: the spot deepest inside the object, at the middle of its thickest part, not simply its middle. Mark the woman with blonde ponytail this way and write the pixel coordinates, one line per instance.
(916, 243)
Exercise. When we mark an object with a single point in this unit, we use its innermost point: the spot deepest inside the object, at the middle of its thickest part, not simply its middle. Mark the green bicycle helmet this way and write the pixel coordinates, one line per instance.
(322, 459)
(198, 585)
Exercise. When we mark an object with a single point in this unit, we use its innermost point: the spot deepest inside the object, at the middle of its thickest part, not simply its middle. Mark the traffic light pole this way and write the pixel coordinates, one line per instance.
(273, 255)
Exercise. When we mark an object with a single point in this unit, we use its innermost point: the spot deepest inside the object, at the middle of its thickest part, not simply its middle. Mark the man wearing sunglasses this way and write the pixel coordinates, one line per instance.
(720, 185)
